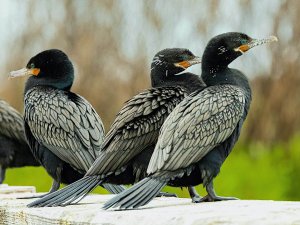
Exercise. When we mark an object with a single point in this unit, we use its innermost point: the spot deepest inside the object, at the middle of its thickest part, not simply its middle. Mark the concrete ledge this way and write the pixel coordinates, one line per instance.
(5, 189)
(162, 211)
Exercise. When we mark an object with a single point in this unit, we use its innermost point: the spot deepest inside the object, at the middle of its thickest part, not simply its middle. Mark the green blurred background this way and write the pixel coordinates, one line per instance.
(267, 173)
(111, 44)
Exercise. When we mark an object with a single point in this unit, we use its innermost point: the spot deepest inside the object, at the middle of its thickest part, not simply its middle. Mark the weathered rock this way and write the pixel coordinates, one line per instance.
(162, 211)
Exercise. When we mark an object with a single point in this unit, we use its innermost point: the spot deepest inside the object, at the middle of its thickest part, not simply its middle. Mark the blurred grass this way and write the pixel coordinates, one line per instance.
(252, 171)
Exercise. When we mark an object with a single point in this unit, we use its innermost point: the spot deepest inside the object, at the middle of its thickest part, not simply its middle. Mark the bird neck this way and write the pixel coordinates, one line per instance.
(214, 61)
(213, 66)
(225, 76)
(189, 81)
(62, 84)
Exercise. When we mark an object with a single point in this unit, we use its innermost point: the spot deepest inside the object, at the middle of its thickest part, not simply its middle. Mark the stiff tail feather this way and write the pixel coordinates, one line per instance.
(69, 194)
(112, 188)
(138, 195)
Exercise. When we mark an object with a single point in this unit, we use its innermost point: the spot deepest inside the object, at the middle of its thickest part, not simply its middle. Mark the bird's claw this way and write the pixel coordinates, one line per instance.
(209, 198)
(166, 194)
(196, 199)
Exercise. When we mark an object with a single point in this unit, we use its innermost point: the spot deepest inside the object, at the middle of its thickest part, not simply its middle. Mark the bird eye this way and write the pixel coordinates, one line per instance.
(32, 66)
(189, 54)
(243, 41)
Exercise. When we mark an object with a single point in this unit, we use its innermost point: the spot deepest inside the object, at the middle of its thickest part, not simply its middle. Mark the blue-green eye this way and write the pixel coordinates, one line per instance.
(244, 41)
(32, 66)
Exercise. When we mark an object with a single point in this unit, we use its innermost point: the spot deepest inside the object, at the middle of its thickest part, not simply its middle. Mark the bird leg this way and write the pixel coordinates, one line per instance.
(56, 183)
(55, 186)
(2, 174)
(196, 198)
(212, 196)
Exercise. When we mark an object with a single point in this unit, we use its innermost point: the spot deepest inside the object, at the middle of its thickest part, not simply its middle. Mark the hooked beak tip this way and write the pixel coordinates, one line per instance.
(18, 73)
(273, 38)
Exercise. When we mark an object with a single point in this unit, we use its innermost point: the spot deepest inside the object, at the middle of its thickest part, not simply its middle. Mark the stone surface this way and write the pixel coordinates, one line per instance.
(162, 211)
(5, 189)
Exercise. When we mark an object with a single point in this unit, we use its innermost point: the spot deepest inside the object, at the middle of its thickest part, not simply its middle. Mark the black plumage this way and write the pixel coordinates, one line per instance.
(201, 131)
(62, 128)
(14, 150)
(129, 144)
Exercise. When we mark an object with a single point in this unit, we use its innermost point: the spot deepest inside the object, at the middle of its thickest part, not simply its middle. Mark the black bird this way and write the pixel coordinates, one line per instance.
(129, 144)
(14, 150)
(201, 131)
(62, 128)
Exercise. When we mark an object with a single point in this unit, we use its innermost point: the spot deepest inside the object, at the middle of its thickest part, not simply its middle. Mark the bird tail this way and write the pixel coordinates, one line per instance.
(69, 194)
(138, 195)
(112, 188)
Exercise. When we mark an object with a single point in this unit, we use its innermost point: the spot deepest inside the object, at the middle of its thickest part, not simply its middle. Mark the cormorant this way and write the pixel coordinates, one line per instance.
(201, 131)
(63, 130)
(14, 150)
(129, 144)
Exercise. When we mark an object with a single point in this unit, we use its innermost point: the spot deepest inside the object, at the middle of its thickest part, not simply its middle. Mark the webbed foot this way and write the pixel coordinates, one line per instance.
(212, 196)
(196, 198)
(166, 194)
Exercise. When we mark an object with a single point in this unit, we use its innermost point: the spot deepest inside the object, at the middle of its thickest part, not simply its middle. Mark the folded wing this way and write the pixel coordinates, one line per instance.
(11, 122)
(136, 127)
(66, 124)
(198, 124)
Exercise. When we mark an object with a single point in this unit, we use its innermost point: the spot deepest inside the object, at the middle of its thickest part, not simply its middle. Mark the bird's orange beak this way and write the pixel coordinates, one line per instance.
(187, 63)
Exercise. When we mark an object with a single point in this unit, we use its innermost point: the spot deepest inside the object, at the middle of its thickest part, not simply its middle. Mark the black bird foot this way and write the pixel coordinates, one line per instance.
(216, 198)
(166, 194)
(34, 196)
(212, 196)
(196, 198)
(54, 187)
